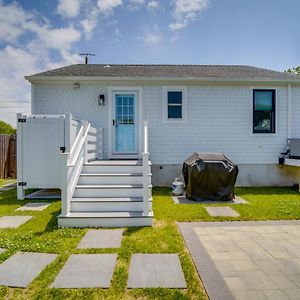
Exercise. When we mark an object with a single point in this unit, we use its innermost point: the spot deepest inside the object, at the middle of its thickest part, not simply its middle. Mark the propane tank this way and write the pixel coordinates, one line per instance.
(177, 187)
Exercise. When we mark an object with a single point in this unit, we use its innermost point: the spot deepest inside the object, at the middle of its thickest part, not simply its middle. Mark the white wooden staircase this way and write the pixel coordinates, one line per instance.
(104, 193)
(109, 194)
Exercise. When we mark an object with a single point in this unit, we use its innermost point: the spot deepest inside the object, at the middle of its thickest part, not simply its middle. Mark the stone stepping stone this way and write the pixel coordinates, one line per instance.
(102, 238)
(34, 206)
(13, 221)
(20, 269)
(155, 270)
(86, 271)
(221, 211)
(2, 250)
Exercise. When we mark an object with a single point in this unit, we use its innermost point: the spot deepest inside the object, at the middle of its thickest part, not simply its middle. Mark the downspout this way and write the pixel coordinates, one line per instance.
(289, 111)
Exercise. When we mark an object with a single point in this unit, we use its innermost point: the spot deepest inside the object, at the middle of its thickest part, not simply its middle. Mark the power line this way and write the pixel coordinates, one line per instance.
(9, 97)
(14, 101)
(15, 106)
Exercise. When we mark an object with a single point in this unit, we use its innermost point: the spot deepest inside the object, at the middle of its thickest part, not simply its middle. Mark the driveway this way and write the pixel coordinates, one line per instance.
(246, 260)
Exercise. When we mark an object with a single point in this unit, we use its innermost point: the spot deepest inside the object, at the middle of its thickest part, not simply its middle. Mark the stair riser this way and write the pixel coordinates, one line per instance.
(112, 169)
(117, 192)
(107, 206)
(104, 222)
(110, 180)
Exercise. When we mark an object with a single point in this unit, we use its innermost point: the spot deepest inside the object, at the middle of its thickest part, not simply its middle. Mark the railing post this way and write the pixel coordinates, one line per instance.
(68, 125)
(20, 189)
(85, 150)
(64, 179)
(146, 181)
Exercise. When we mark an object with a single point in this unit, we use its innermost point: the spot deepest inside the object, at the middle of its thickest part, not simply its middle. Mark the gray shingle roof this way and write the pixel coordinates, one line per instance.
(176, 71)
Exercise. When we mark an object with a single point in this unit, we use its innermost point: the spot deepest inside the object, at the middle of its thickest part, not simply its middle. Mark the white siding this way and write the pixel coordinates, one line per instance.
(219, 119)
(296, 112)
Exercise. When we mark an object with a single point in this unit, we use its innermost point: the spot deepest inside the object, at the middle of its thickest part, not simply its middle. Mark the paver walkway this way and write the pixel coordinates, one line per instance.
(20, 269)
(102, 238)
(155, 270)
(7, 187)
(246, 260)
(86, 271)
(34, 206)
(13, 221)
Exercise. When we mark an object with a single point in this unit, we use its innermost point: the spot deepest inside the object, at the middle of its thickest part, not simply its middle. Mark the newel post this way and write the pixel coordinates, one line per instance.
(64, 178)
(146, 180)
(20, 189)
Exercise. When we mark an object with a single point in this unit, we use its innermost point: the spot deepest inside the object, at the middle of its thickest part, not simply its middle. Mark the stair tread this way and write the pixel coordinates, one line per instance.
(108, 199)
(107, 186)
(115, 163)
(113, 214)
(112, 174)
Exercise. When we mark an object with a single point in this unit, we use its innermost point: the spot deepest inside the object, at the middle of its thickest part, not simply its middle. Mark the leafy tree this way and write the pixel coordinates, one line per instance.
(6, 128)
(295, 70)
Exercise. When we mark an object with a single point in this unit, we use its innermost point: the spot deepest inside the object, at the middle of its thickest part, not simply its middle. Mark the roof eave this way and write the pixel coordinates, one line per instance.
(34, 79)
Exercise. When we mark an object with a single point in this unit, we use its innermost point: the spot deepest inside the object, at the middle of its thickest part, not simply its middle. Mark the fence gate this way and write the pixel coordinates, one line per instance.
(39, 143)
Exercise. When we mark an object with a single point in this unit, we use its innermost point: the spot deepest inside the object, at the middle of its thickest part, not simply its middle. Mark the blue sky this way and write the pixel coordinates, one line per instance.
(40, 35)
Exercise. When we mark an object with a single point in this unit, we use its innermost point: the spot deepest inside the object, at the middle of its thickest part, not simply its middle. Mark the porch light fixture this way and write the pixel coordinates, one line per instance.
(76, 85)
(101, 100)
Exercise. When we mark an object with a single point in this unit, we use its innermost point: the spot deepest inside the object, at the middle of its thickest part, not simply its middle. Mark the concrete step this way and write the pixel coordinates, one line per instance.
(110, 178)
(106, 219)
(112, 190)
(108, 204)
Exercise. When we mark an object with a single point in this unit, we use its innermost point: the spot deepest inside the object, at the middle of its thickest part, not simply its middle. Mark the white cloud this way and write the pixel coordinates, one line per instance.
(90, 23)
(136, 4)
(69, 8)
(107, 6)
(29, 40)
(152, 39)
(153, 5)
(186, 11)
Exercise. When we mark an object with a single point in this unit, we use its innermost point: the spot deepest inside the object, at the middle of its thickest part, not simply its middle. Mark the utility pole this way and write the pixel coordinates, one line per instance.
(86, 57)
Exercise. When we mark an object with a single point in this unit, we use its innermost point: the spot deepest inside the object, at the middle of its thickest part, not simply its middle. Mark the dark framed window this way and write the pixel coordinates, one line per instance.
(174, 105)
(264, 111)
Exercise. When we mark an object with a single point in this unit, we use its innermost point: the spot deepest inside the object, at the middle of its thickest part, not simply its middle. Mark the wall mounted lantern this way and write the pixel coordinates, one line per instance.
(101, 100)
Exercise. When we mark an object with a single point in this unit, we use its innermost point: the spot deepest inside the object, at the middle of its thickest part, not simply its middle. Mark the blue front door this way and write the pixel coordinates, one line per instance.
(125, 123)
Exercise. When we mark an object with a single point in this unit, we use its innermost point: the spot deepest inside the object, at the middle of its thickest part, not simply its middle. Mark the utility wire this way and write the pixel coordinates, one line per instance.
(9, 97)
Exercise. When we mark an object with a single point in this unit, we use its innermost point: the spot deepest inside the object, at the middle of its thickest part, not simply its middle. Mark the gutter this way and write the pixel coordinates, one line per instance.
(33, 79)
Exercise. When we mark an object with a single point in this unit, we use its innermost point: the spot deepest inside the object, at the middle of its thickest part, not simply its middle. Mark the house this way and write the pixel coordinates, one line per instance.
(245, 112)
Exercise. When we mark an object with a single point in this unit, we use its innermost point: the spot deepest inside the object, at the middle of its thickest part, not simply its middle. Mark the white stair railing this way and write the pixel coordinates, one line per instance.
(146, 172)
(71, 166)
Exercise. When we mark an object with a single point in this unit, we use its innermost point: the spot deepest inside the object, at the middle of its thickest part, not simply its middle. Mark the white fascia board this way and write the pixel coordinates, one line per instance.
(34, 79)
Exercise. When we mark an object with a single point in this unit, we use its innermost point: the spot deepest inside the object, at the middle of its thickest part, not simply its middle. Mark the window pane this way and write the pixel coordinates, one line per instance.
(262, 121)
(174, 112)
(174, 97)
(263, 100)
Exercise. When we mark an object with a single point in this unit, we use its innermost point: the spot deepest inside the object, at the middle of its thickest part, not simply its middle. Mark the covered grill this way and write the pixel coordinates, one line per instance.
(209, 176)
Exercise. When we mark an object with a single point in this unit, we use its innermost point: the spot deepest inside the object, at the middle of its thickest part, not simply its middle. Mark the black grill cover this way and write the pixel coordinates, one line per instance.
(209, 176)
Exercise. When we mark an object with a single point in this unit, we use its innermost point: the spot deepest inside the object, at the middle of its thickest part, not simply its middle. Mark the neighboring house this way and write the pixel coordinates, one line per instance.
(247, 113)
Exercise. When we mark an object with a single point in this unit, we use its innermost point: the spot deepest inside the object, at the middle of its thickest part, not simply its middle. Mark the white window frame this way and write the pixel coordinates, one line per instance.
(181, 89)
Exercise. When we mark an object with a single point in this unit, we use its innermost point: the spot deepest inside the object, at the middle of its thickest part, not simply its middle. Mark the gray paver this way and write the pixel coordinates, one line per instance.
(34, 206)
(86, 271)
(265, 267)
(2, 250)
(102, 238)
(20, 269)
(221, 211)
(155, 270)
(184, 200)
(13, 221)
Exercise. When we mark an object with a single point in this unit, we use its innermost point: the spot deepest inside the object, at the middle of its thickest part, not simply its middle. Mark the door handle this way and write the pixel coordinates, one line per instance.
(114, 122)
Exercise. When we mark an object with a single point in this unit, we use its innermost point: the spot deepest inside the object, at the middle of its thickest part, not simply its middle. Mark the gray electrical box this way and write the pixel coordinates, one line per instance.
(294, 146)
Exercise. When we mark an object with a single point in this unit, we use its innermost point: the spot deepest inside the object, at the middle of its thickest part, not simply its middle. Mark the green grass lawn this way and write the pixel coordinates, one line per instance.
(42, 235)
(6, 181)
